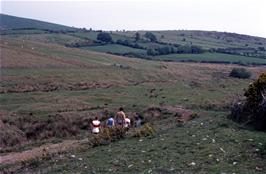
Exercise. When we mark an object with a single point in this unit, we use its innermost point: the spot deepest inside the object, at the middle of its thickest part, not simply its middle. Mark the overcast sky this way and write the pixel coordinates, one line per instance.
(240, 16)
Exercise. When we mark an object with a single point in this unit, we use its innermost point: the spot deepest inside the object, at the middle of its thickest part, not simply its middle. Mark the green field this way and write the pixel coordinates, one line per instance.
(211, 57)
(205, 39)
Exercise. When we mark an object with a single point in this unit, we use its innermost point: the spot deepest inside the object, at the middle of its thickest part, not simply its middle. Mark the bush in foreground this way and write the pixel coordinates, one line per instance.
(108, 135)
(252, 110)
(144, 131)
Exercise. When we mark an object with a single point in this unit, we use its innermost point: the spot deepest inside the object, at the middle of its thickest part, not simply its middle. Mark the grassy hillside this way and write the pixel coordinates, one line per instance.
(115, 48)
(206, 39)
(49, 92)
(214, 47)
(80, 37)
(13, 22)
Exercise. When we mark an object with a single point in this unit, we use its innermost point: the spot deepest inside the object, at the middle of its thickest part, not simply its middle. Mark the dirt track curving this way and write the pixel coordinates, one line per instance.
(37, 152)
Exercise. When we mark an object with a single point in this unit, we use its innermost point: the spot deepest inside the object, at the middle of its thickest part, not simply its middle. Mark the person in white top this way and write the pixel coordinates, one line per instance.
(127, 123)
(95, 126)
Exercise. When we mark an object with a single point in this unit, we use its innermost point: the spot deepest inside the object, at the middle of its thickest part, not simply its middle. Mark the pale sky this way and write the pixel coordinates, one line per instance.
(239, 16)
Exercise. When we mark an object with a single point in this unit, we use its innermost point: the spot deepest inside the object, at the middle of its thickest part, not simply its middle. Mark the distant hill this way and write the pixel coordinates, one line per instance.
(205, 39)
(13, 22)
(169, 45)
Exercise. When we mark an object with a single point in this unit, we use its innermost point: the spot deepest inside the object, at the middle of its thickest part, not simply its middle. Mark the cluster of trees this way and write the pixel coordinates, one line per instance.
(152, 51)
(104, 37)
(170, 49)
(241, 51)
(129, 43)
(150, 36)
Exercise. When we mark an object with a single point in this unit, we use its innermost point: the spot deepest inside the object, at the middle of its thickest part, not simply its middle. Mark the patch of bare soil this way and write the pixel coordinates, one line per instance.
(185, 114)
(50, 86)
(37, 152)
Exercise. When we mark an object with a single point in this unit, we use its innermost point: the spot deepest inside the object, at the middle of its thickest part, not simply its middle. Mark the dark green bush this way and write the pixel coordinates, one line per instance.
(240, 73)
(150, 36)
(252, 110)
(104, 37)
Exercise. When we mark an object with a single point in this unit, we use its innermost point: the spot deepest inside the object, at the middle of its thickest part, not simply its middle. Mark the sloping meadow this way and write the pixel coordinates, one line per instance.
(52, 92)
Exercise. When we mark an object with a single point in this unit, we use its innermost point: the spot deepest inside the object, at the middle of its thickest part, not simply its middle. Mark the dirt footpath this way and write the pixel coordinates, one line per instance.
(48, 149)
(37, 152)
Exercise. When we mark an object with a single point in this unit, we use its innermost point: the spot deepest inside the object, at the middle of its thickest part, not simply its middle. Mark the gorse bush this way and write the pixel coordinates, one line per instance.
(252, 110)
(145, 130)
(240, 73)
(108, 135)
(256, 93)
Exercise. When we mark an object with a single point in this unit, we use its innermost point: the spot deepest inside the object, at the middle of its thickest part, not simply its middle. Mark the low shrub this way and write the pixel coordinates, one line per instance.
(241, 73)
(194, 115)
(252, 110)
(108, 135)
(23, 128)
(144, 131)
(10, 135)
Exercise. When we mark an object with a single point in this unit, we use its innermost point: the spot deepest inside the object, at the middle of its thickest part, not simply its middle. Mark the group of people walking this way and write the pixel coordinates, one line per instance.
(120, 119)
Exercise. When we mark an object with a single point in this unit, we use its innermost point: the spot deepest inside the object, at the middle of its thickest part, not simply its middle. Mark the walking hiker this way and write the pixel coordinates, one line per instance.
(138, 120)
(95, 126)
(127, 123)
(120, 117)
(110, 122)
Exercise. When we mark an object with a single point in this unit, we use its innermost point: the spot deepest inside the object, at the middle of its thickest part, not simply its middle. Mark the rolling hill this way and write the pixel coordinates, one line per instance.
(206, 39)
(214, 47)
(15, 23)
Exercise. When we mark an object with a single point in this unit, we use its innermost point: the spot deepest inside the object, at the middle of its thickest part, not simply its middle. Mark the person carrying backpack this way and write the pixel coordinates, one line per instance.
(138, 120)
